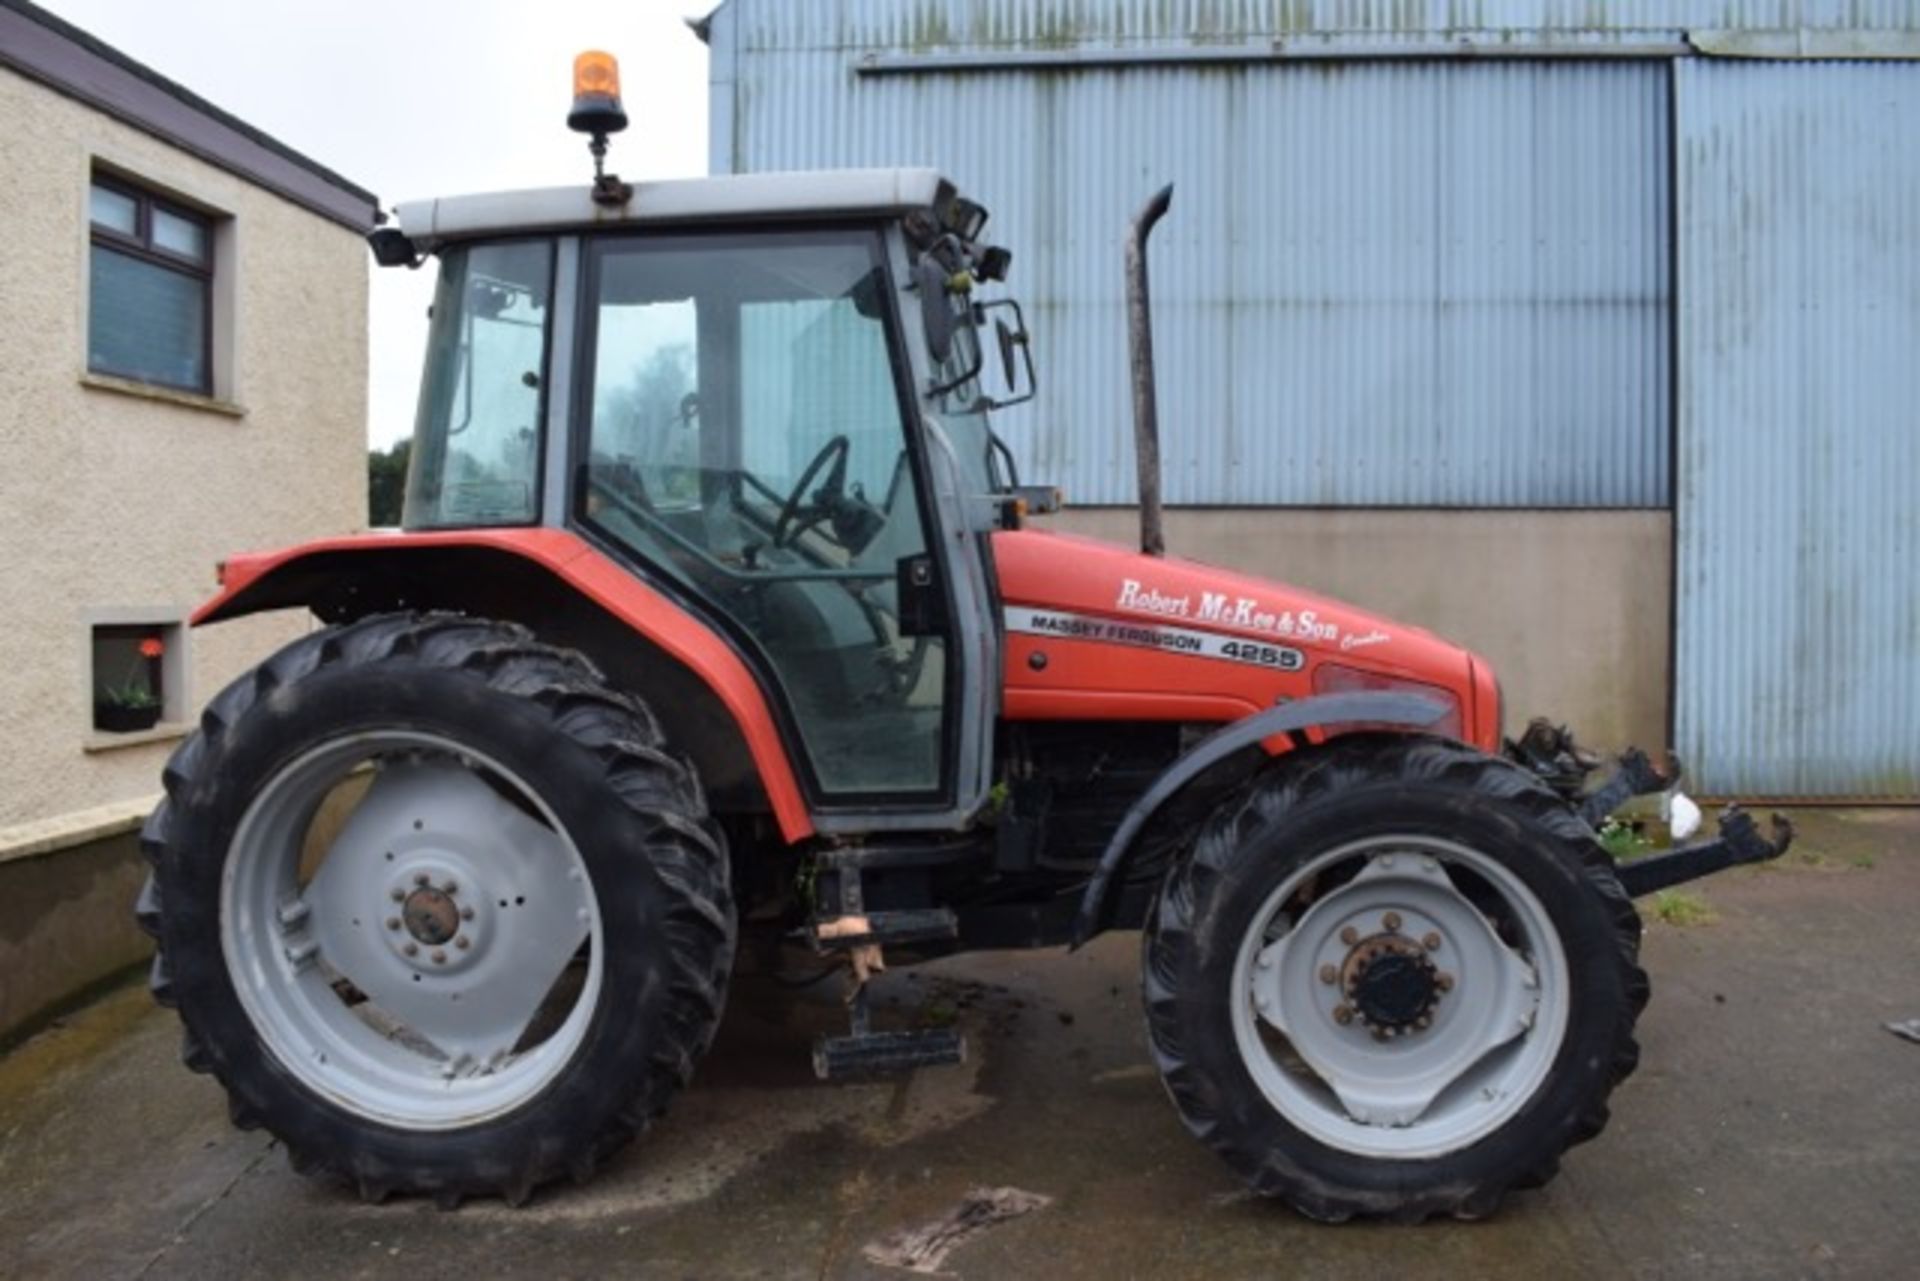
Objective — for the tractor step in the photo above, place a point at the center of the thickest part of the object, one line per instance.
(877, 1053)
(1739, 842)
(842, 923)
(883, 929)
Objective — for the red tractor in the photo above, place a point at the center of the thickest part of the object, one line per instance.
(716, 611)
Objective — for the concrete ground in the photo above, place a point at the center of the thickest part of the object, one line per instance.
(1773, 1130)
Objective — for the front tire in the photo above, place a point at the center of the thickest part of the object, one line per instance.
(437, 908)
(1395, 978)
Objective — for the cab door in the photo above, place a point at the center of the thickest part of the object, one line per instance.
(747, 434)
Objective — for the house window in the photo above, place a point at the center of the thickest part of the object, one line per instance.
(150, 300)
(139, 675)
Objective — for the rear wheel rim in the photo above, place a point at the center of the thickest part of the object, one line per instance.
(436, 962)
(1400, 997)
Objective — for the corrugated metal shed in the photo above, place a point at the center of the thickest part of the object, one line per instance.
(928, 25)
(1798, 589)
(1382, 283)
(1423, 252)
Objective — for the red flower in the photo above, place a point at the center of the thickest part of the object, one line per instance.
(151, 647)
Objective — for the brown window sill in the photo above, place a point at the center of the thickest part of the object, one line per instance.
(171, 395)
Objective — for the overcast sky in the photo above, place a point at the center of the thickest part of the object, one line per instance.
(413, 98)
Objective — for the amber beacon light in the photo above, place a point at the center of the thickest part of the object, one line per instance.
(596, 94)
(597, 112)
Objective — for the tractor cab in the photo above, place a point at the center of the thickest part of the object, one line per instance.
(768, 396)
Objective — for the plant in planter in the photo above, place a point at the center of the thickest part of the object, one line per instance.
(133, 704)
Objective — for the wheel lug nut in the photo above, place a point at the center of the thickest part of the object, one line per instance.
(1390, 922)
(439, 957)
(466, 914)
(1431, 942)
(398, 894)
(421, 879)
(393, 922)
(1328, 974)
(1343, 1014)
(463, 942)
(451, 887)
(411, 949)
(1444, 982)
(1379, 1034)
(1349, 936)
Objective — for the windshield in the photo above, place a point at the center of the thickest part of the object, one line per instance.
(476, 458)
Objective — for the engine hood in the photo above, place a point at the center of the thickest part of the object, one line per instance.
(1065, 588)
(1084, 575)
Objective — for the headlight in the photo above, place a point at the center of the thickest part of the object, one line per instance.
(1335, 678)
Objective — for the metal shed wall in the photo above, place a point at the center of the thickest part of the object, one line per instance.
(1796, 307)
(1382, 283)
(1798, 587)
(924, 25)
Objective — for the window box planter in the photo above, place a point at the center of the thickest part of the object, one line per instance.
(113, 718)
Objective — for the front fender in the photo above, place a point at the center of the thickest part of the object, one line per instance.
(341, 578)
(1412, 711)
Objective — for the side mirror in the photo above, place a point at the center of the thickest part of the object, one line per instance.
(1016, 354)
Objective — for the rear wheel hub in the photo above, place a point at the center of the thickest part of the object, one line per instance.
(439, 963)
(431, 916)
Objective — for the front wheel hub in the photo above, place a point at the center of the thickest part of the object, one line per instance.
(1413, 1019)
(1395, 987)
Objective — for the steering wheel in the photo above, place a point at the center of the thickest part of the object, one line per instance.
(795, 511)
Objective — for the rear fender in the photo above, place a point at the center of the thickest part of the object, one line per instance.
(1410, 712)
(567, 592)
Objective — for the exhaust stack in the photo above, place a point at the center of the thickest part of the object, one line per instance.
(1146, 419)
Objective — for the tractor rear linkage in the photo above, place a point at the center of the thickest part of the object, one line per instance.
(1549, 751)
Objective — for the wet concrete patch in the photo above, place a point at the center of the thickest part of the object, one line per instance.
(757, 1096)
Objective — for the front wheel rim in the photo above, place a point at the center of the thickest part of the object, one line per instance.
(439, 962)
(1400, 997)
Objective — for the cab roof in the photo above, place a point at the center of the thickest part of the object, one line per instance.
(732, 198)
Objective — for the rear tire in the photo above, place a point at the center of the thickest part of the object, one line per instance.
(1397, 1087)
(575, 772)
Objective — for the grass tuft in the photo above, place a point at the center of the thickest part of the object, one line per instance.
(1624, 841)
(1679, 908)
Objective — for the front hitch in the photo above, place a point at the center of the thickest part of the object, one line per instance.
(1739, 842)
(1550, 752)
